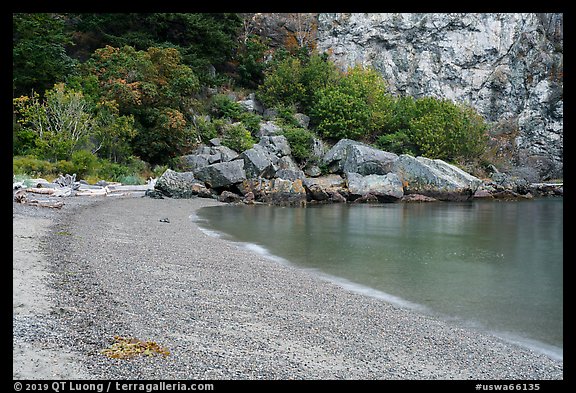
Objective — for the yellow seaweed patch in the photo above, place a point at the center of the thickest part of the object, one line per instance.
(129, 347)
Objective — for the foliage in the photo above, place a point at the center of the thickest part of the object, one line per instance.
(154, 87)
(356, 107)
(448, 131)
(39, 58)
(301, 142)
(436, 128)
(292, 80)
(113, 133)
(283, 84)
(237, 137)
(201, 38)
(339, 114)
(61, 122)
(251, 61)
(224, 106)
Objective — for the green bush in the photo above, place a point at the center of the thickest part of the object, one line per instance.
(398, 142)
(83, 163)
(282, 84)
(301, 142)
(32, 166)
(237, 137)
(447, 130)
(293, 81)
(337, 114)
(224, 107)
(357, 107)
(251, 121)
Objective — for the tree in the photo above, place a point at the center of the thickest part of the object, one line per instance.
(61, 122)
(39, 58)
(155, 88)
(201, 38)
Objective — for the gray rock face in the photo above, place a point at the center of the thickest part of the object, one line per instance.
(206, 155)
(508, 66)
(180, 185)
(435, 178)
(222, 174)
(276, 144)
(258, 162)
(384, 187)
(351, 156)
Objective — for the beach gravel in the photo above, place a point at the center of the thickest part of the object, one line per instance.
(114, 266)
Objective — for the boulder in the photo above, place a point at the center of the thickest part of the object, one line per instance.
(276, 144)
(222, 174)
(286, 192)
(385, 188)
(268, 128)
(352, 156)
(259, 162)
(229, 197)
(274, 191)
(435, 178)
(180, 185)
(329, 188)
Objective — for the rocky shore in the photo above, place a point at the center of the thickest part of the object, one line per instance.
(351, 172)
(100, 267)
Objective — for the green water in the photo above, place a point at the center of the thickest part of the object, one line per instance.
(491, 265)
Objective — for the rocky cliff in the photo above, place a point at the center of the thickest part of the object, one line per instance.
(508, 66)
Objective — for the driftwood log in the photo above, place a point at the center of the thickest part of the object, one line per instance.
(21, 197)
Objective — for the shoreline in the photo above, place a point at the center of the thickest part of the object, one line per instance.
(223, 311)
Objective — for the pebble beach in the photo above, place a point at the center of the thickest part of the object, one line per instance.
(133, 266)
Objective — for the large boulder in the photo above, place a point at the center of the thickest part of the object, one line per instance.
(352, 156)
(277, 145)
(180, 185)
(274, 191)
(329, 188)
(259, 162)
(435, 178)
(385, 188)
(222, 174)
(286, 192)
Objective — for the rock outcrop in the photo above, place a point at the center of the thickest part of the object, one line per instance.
(508, 66)
(435, 178)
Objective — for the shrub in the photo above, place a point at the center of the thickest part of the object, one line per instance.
(32, 166)
(223, 106)
(83, 163)
(338, 114)
(282, 84)
(357, 107)
(398, 142)
(237, 137)
(447, 131)
(301, 142)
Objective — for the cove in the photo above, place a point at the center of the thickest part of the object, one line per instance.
(496, 266)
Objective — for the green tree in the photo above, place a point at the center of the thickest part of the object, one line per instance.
(151, 86)
(201, 38)
(62, 122)
(39, 58)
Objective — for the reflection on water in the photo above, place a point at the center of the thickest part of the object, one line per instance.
(495, 265)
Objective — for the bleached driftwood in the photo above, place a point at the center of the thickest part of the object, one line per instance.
(102, 191)
(21, 197)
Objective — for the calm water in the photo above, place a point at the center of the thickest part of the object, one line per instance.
(490, 265)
